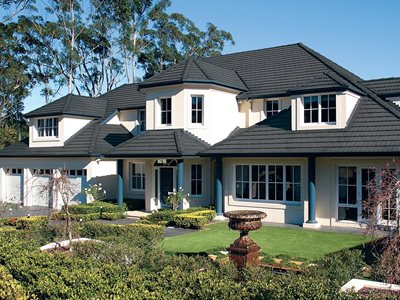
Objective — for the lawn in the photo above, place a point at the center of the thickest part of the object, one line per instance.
(292, 242)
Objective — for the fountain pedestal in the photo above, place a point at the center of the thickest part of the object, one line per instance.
(244, 251)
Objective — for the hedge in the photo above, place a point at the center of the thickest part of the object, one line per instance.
(190, 221)
(78, 217)
(93, 211)
(112, 215)
(32, 223)
(9, 287)
(169, 217)
(144, 233)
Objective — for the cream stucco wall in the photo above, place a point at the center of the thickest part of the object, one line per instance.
(277, 211)
(67, 126)
(220, 108)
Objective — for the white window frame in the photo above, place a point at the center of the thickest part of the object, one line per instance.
(160, 100)
(46, 128)
(284, 183)
(196, 109)
(141, 175)
(303, 110)
(141, 121)
(274, 112)
(197, 179)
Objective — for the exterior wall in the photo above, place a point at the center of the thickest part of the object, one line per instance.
(326, 186)
(345, 104)
(67, 126)
(104, 172)
(219, 107)
(277, 211)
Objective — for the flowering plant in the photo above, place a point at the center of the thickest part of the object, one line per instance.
(175, 198)
(96, 192)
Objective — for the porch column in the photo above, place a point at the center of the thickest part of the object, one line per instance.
(218, 186)
(311, 190)
(120, 182)
(179, 171)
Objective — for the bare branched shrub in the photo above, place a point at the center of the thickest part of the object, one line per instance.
(383, 219)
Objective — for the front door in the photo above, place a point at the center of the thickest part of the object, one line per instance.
(166, 183)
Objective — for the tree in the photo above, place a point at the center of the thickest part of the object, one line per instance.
(382, 210)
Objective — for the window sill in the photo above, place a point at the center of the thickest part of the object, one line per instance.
(270, 203)
(46, 139)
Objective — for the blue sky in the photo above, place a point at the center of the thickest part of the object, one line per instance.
(360, 35)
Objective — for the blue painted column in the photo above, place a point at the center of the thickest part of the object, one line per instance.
(218, 186)
(179, 171)
(311, 190)
(120, 182)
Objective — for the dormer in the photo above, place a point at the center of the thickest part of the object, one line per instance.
(330, 110)
(54, 123)
(132, 119)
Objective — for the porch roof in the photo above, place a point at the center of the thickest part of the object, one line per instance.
(160, 143)
(372, 130)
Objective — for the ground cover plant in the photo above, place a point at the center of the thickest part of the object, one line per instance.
(292, 242)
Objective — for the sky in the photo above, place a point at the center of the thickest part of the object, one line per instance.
(361, 35)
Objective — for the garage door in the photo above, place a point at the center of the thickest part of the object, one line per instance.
(77, 179)
(14, 185)
(40, 193)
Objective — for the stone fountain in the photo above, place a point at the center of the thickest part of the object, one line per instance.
(244, 252)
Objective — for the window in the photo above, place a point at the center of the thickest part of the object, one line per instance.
(320, 109)
(137, 176)
(142, 120)
(197, 109)
(261, 182)
(272, 107)
(47, 127)
(165, 104)
(347, 206)
(367, 176)
(390, 208)
(196, 180)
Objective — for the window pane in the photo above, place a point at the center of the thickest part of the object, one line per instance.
(245, 173)
(342, 175)
(352, 195)
(199, 103)
(297, 192)
(279, 173)
(271, 173)
(254, 190)
(289, 174)
(262, 191)
(279, 191)
(254, 173)
(289, 192)
(239, 187)
(314, 116)
(199, 117)
(347, 213)
(271, 191)
(194, 114)
(332, 115)
(324, 115)
(352, 175)
(307, 102)
(246, 190)
(307, 116)
(314, 101)
(261, 173)
(238, 173)
(332, 100)
(297, 174)
(169, 117)
(163, 118)
(194, 103)
(343, 194)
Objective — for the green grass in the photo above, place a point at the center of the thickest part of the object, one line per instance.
(293, 242)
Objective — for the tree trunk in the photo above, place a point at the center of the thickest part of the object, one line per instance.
(72, 45)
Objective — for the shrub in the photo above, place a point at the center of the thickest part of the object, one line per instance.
(83, 217)
(9, 287)
(112, 215)
(167, 216)
(32, 223)
(142, 233)
(209, 214)
(190, 221)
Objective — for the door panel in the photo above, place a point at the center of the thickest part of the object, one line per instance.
(40, 192)
(166, 182)
(14, 186)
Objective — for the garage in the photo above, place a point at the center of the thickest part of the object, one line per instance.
(14, 185)
(40, 192)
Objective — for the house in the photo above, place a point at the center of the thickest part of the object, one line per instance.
(283, 130)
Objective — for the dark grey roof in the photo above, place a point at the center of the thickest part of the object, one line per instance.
(270, 72)
(384, 87)
(372, 130)
(160, 143)
(194, 70)
(92, 140)
(71, 105)
(126, 96)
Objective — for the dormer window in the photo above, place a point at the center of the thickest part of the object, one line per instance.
(320, 109)
(272, 107)
(166, 112)
(47, 127)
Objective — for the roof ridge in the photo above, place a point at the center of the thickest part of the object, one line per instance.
(189, 62)
(195, 137)
(381, 79)
(333, 66)
(93, 141)
(179, 147)
(201, 69)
